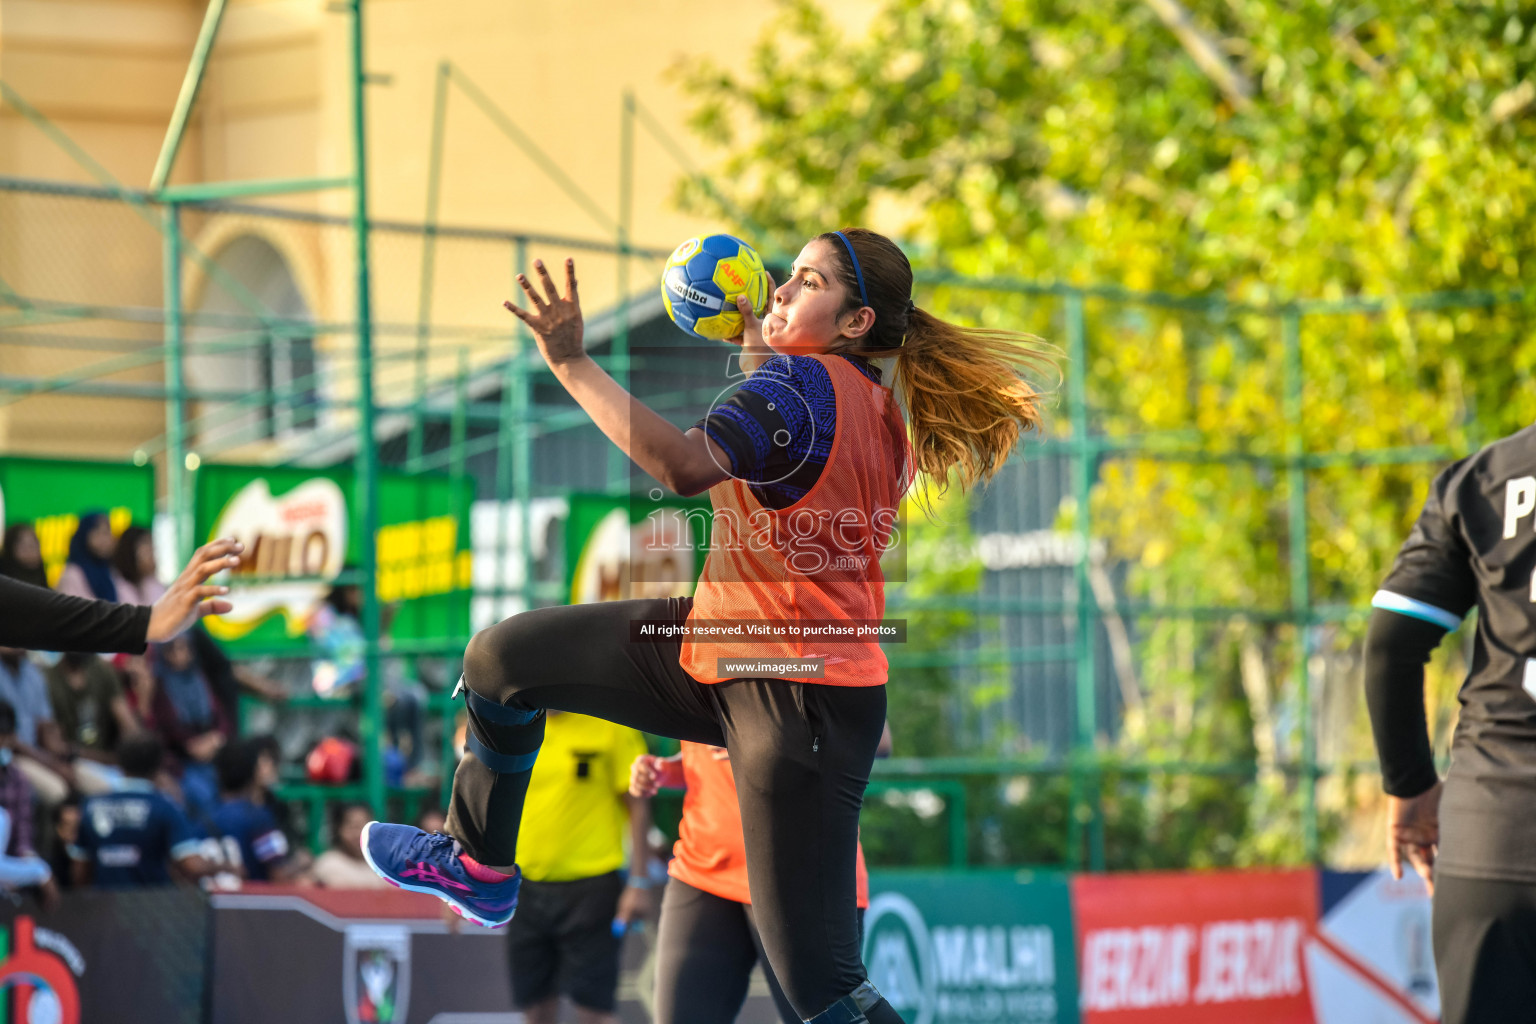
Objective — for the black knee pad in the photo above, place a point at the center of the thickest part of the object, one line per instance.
(500, 734)
(849, 1009)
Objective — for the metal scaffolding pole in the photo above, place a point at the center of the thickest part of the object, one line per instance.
(367, 454)
(1300, 566)
(190, 84)
(1086, 780)
(429, 255)
(618, 462)
(176, 387)
(522, 442)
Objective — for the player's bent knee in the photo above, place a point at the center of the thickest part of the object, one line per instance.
(492, 655)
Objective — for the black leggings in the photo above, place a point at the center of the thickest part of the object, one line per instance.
(801, 755)
(705, 948)
(1485, 949)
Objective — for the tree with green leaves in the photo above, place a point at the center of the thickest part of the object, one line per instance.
(1246, 156)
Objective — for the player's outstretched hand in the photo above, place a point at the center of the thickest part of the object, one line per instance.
(191, 596)
(1413, 834)
(555, 319)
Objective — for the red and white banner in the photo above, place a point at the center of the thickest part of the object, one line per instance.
(1193, 948)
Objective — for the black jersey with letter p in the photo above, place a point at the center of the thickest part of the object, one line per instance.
(1474, 545)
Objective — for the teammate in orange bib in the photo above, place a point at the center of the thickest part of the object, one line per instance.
(801, 519)
(707, 941)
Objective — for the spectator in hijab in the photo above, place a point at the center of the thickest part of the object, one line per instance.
(136, 576)
(88, 573)
(21, 555)
(174, 700)
(133, 567)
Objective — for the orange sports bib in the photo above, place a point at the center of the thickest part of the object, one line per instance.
(818, 559)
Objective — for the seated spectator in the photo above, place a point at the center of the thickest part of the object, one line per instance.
(19, 863)
(89, 706)
(336, 627)
(88, 572)
(21, 555)
(41, 753)
(134, 569)
(343, 866)
(135, 574)
(432, 820)
(247, 772)
(228, 677)
(131, 837)
(174, 701)
(65, 847)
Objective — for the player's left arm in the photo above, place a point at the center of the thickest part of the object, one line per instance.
(687, 463)
(1429, 590)
(635, 902)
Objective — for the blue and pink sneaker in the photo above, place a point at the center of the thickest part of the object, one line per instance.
(433, 863)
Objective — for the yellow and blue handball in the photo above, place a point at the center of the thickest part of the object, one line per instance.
(702, 278)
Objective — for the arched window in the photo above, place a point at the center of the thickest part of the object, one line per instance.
(263, 365)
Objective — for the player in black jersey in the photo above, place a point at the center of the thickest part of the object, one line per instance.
(1474, 545)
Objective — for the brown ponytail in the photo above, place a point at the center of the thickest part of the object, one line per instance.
(964, 389)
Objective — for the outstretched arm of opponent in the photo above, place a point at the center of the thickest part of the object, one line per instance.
(686, 462)
(38, 619)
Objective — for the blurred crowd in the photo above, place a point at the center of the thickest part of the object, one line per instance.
(127, 771)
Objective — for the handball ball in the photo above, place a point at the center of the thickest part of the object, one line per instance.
(702, 278)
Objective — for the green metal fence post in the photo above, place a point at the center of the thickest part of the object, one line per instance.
(618, 463)
(1085, 773)
(458, 436)
(522, 442)
(176, 386)
(191, 83)
(429, 257)
(1300, 566)
(367, 454)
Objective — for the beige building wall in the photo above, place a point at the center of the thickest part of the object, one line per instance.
(275, 104)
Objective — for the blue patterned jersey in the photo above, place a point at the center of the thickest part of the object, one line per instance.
(131, 835)
(777, 427)
(254, 829)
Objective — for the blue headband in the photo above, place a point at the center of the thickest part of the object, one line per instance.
(863, 295)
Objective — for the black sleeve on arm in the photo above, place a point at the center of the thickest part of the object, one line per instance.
(1396, 650)
(46, 620)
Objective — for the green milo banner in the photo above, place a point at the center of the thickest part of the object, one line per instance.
(974, 948)
(303, 527)
(624, 547)
(52, 495)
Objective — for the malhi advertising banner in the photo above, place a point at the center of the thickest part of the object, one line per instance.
(977, 948)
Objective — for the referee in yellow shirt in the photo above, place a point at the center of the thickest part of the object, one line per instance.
(571, 849)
